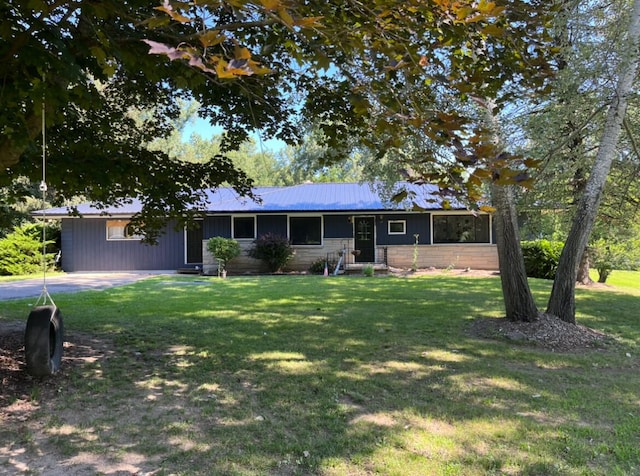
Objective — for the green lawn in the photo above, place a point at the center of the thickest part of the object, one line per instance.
(334, 376)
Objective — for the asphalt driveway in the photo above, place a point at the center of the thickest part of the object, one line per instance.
(71, 282)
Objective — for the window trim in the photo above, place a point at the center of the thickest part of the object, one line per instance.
(396, 222)
(120, 237)
(233, 227)
(320, 216)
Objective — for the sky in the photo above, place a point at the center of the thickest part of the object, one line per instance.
(202, 127)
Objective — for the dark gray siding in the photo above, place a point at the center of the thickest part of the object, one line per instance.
(85, 248)
(415, 224)
(276, 224)
(217, 226)
(337, 226)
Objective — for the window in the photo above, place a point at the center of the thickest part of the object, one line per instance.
(120, 230)
(305, 230)
(460, 229)
(397, 227)
(244, 227)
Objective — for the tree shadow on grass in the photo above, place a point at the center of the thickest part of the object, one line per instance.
(321, 377)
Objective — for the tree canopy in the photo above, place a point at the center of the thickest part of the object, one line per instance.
(378, 71)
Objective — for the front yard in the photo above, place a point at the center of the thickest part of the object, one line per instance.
(332, 376)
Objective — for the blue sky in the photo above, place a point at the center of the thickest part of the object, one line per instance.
(202, 127)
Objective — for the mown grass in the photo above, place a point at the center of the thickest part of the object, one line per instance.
(348, 375)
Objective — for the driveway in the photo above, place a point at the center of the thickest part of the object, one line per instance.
(71, 282)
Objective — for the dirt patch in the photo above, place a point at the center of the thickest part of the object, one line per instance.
(16, 399)
(547, 332)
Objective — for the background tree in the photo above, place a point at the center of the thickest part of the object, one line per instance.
(563, 132)
(562, 299)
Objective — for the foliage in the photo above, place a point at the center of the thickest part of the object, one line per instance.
(368, 270)
(541, 258)
(223, 249)
(318, 266)
(274, 250)
(605, 256)
(383, 72)
(21, 251)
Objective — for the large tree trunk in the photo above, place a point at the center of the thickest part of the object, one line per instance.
(518, 300)
(562, 301)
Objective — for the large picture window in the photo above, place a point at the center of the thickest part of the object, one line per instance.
(244, 227)
(305, 230)
(120, 230)
(460, 229)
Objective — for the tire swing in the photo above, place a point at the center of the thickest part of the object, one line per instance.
(44, 334)
(44, 340)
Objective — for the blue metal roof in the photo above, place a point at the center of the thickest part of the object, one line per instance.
(308, 197)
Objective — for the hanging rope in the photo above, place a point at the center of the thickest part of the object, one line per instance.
(44, 295)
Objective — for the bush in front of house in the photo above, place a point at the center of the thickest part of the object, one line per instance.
(541, 258)
(317, 267)
(21, 251)
(223, 250)
(274, 250)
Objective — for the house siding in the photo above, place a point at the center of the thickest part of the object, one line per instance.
(85, 248)
(276, 224)
(217, 226)
(416, 224)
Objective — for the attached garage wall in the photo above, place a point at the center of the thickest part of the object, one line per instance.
(85, 248)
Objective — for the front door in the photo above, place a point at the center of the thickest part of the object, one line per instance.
(193, 243)
(365, 239)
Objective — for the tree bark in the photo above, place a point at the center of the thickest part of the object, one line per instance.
(583, 269)
(562, 301)
(518, 300)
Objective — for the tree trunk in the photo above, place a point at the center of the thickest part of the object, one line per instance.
(562, 301)
(583, 269)
(518, 300)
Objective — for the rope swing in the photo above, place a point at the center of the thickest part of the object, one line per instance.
(44, 334)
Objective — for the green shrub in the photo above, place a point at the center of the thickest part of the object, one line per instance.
(368, 270)
(21, 251)
(274, 250)
(541, 258)
(223, 249)
(317, 267)
(605, 256)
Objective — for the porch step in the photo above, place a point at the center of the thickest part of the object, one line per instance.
(189, 270)
(353, 268)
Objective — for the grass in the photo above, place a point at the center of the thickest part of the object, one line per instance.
(348, 375)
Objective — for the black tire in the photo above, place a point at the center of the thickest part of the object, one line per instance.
(43, 341)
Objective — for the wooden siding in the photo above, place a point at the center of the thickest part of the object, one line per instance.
(276, 224)
(419, 224)
(85, 248)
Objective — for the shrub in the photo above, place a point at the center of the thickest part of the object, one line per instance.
(606, 256)
(317, 267)
(274, 250)
(368, 270)
(541, 258)
(223, 249)
(21, 251)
